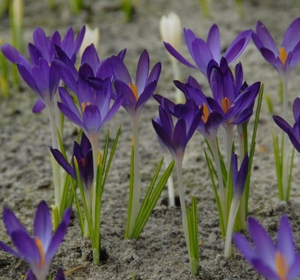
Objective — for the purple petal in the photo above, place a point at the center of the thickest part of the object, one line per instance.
(213, 41)
(78, 42)
(155, 73)
(60, 275)
(63, 162)
(114, 108)
(265, 270)
(144, 97)
(120, 70)
(285, 240)
(178, 56)
(163, 135)
(263, 243)
(26, 246)
(245, 247)
(265, 39)
(92, 120)
(58, 235)
(90, 57)
(294, 270)
(179, 138)
(38, 106)
(42, 43)
(27, 77)
(11, 222)
(43, 225)
(202, 55)
(291, 37)
(9, 250)
(296, 109)
(282, 123)
(237, 46)
(142, 72)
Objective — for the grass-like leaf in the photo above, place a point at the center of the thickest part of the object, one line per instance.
(151, 198)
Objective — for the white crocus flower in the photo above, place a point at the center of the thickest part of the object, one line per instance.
(92, 36)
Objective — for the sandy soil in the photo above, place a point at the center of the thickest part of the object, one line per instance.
(160, 253)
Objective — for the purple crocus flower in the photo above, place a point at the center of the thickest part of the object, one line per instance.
(234, 100)
(176, 137)
(59, 276)
(292, 132)
(239, 177)
(285, 58)
(39, 250)
(94, 104)
(275, 262)
(91, 66)
(211, 119)
(136, 93)
(38, 73)
(203, 52)
(84, 156)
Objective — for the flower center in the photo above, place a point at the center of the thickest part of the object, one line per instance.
(134, 90)
(41, 250)
(225, 104)
(281, 266)
(83, 161)
(83, 106)
(282, 55)
(205, 113)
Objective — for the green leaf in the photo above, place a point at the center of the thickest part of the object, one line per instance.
(151, 198)
(219, 208)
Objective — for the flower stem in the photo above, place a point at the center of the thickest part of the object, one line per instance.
(232, 214)
(221, 190)
(182, 203)
(285, 147)
(170, 183)
(136, 178)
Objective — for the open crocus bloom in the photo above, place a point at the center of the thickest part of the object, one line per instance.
(287, 56)
(38, 73)
(275, 262)
(39, 250)
(203, 52)
(136, 93)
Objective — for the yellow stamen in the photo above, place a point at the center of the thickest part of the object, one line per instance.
(41, 250)
(225, 104)
(134, 90)
(281, 265)
(205, 113)
(282, 55)
(83, 106)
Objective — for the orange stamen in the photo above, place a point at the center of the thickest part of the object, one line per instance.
(205, 113)
(83, 106)
(83, 161)
(225, 104)
(282, 55)
(134, 90)
(41, 250)
(281, 265)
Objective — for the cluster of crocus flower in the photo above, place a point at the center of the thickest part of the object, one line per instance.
(41, 76)
(93, 94)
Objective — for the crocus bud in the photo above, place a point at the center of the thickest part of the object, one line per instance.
(170, 30)
(92, 36)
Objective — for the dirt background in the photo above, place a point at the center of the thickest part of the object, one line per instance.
(160, 253)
